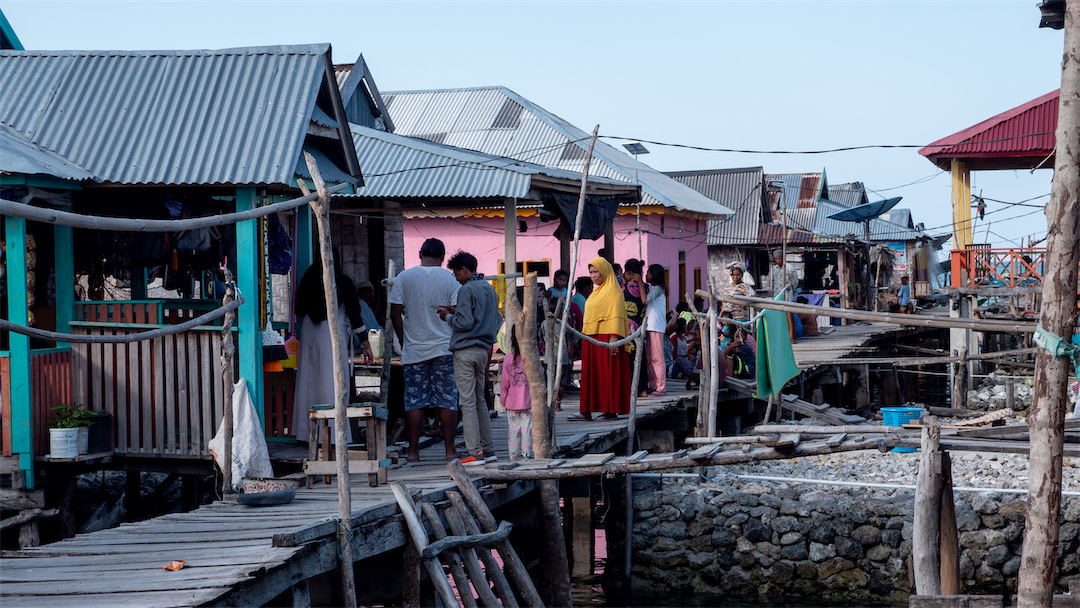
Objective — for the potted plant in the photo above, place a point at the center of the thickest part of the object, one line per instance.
(64, 430)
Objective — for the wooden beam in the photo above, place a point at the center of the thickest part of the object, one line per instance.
(14, 499)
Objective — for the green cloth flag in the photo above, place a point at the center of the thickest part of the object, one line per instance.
(775, 361)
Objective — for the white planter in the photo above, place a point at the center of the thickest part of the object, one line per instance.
(84, 439)
(63, 443)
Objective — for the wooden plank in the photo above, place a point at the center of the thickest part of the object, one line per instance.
(835, 440)
(120, 373)
(591, 460)
(190, 597)
(206, 403)
(157, 354)
(636, 456)
(202, 556)
(135, 396)
(146, 396)
(705, 451)
(329, 467)
(170, 387)
(93, 586)
(955, 601)
(183, 399)
(788, 441)
(218, 383)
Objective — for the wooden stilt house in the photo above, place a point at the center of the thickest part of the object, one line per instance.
(151, 135)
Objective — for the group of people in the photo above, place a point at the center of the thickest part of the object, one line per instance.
(448, 323)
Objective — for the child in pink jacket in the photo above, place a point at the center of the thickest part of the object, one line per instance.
(514, 395)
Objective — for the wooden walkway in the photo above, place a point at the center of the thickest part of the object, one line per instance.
(240, 555)
(843, 341)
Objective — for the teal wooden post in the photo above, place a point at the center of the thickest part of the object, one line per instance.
(22, 442)
(303, 240)
(247, 279)
(64, 267)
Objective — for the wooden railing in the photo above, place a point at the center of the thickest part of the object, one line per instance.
(1020, 267)
(165, 395)
(278, 391)
(163, 311)
(50, 384)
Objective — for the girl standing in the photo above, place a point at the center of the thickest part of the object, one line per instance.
(514, 395)
(655, 307)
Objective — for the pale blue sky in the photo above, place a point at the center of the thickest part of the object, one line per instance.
(753, 75)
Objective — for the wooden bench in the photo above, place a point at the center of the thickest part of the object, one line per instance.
(371, 460)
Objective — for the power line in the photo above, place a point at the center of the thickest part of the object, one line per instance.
(824, 151)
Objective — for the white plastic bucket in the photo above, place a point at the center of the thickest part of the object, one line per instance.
(375, 340)
(64, 443)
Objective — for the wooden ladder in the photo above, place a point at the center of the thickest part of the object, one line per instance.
(475, 534)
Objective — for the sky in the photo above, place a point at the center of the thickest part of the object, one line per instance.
(753, 75)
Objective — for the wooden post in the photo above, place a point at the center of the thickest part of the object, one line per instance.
(410, 578)
(960, 381)
(714, 364)
(949, 544)
(64, 282)
(565, 236)
(924, 545)
(510, 251)
(228, 488)
(320, 208)
(1050, 398)
(581, 534)
(1010, 393)
(247, 279)
(22, 439)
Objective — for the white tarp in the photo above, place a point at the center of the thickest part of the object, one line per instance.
(250, 456)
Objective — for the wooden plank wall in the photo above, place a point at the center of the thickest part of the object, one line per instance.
(165, 395)
(5, 405)
(50, 384)
(279, 388)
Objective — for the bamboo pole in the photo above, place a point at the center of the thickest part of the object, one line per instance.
(1050, 399)
(419, 541)
(703, 353)
(714, 362)
(320, 208)
(888, 317)
(927, 522)
(960, 380)
(227, 484)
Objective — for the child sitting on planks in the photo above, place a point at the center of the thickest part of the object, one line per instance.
(515, 397)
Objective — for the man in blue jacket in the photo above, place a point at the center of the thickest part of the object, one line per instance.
(475, 322)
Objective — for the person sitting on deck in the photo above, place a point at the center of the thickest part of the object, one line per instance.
(808, 320)
(739, 350)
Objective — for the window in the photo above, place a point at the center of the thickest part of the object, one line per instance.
(542, 268)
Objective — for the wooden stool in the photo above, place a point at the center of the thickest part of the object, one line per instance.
(371, 460)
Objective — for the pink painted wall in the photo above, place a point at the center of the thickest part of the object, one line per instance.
(662, 240)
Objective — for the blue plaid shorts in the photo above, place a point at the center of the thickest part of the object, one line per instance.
(431, 384)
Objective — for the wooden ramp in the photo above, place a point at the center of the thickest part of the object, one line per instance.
(241, 555)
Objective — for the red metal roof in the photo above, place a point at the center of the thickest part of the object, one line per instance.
(1019, 138)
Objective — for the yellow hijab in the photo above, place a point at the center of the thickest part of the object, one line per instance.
(605, 309)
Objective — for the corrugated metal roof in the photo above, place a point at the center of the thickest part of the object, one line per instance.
(20, 155)
(1026, 131)
(880, 230)
(848, 195)
(738, 189)
(400, 167)
(232, 116)
(480, 119)
(355, 81)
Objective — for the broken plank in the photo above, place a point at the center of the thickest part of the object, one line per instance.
(636, 456)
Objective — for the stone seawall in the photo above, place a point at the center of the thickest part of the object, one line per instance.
(779, 541)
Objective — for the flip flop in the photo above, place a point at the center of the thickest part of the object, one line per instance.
(608, 417)
(578, 418)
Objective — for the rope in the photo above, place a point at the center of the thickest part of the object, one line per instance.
(159, 332)
(633, 336)
(94, 222)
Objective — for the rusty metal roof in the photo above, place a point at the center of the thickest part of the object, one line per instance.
(1020, 138)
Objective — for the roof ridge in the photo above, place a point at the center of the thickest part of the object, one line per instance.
(284, 49)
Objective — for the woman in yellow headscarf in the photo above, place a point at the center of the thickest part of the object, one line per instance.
(605, 372)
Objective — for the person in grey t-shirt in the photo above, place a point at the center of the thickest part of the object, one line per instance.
(415, 299)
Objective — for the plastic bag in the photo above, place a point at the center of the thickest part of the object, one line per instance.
(250, 456)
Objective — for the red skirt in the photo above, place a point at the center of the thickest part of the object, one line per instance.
(605, 379)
